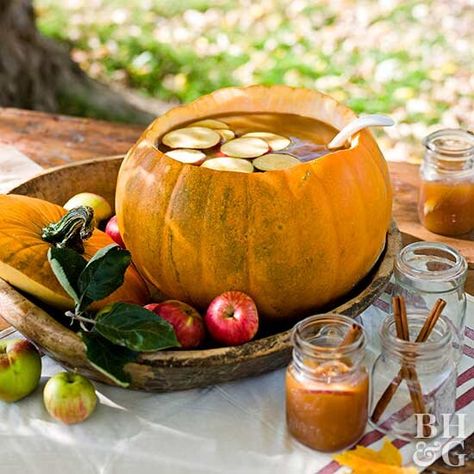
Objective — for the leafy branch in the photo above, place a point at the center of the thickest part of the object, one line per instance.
(118, 332)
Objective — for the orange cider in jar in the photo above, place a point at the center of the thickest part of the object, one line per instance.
(327, 384)
(327, 416)
(447, 208)
(446, 199)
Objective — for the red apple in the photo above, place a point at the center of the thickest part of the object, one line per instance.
(232, 318)
(186, 321)
(112, 230)
(20, 369)
(69, 397)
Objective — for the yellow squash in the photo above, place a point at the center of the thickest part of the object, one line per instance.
(23, 253)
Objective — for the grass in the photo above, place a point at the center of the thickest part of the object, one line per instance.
(411, 58)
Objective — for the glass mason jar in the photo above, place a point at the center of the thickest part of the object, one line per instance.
(426, 271)
(327, 385)
(432, 370)
(446, 199)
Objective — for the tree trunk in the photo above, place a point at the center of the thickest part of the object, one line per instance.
(38, 73)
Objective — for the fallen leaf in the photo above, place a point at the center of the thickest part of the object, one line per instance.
(367, 461)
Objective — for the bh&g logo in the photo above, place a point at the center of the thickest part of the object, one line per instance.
(426, 454)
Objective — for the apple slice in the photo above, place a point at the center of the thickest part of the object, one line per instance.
(226, 135)
(188, 156)
(191, 137)
(275, 161)
(210, 123)
(331, 369)
(276, 142)
(245, 147)
(229, 164)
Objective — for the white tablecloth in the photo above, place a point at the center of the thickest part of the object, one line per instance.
(237, 427)
(15, 167)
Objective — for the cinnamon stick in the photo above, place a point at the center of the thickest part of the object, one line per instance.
(396, 308)
(410, 375)
(350, 336)
(423, 336)
(405, 335)
(431, 320)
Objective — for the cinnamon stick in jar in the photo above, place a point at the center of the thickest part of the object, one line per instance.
(408, 373)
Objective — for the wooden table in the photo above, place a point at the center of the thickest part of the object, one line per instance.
(52, 140)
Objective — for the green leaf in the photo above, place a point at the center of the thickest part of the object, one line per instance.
(104, 273)
(108, 358)
(67, 265)
(132, 326)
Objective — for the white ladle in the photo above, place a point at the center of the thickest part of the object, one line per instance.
(374, 120)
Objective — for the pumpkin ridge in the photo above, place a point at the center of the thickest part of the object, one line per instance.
(248, 238)
(202, 233)
(367, 143)
(382, 171)
(46, 293)
(385, 189)
(333, 217)
(359, 183)
(168, 232)
(44, 270)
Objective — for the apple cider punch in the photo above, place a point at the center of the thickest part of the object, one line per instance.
(446, 199)
(248, 142)
(327, 384)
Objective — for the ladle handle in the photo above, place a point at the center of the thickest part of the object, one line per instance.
(374, 120)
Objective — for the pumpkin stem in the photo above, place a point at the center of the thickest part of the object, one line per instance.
(71, 230)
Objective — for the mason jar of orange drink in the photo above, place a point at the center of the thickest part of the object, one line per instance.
(327, 384)
(446, 200)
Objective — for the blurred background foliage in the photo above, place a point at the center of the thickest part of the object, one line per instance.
(411, 59)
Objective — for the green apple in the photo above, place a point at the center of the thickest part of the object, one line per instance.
(69, 397)
(20, 369)
(102, 209)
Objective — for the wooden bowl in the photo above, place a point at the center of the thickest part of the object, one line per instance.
(166, 370)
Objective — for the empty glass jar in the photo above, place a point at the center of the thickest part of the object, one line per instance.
(426, 271)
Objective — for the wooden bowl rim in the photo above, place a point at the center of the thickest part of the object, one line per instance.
(55, 169)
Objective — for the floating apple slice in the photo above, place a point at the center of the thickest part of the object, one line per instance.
(191, 137)
(276, 142)
(226, 134)
(210, 123)
(331, 369)
(275, 161)
(229, 164)
(430, 206)
(245, 147)
(184, 155)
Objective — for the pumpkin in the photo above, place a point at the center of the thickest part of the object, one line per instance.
(24, 254)
(295, 240)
